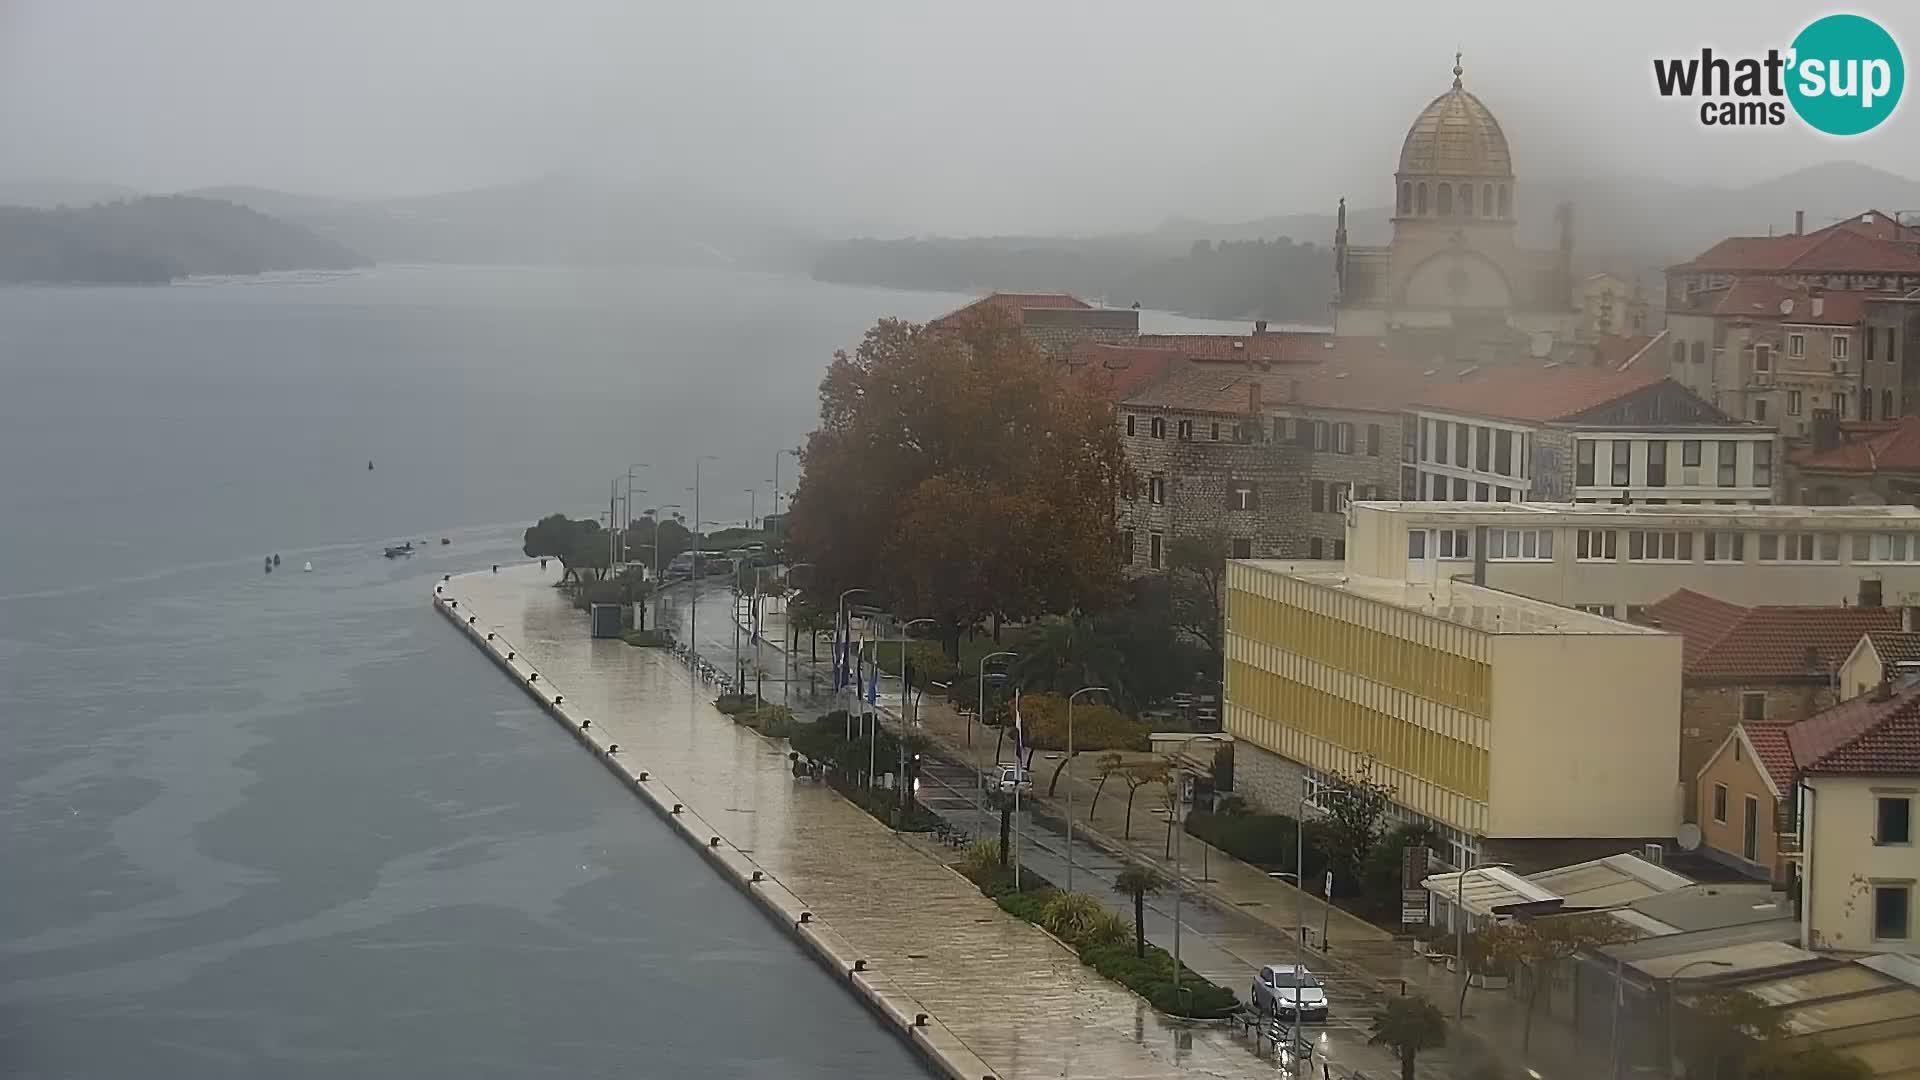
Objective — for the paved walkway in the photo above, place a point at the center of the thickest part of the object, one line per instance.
(1011, 994)
(1363, 960)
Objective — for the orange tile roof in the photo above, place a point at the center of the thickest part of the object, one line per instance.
(1877, 224)
(1727, 641)
(1117, 372)
(1762, 298)
(1826, 251)
(1775, 753)
(1537, 394)
(1012, 305)
(1896, 647)
(1861, 735)
(1894, 450)
(1617, 352)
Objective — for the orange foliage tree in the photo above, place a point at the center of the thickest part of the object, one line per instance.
(957, 475)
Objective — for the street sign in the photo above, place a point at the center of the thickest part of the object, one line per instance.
(1327, 890)
(1413, 866)
(1413, 906)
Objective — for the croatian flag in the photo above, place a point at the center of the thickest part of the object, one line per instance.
(839, 658)
(873, 683)
(1019, 734)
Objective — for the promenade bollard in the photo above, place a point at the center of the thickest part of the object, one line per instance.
(585, 724)
(643, 774)
(613, 748)
(713, 842)
(532, 678)
(557, 698)
(806, 916)
(859, 965)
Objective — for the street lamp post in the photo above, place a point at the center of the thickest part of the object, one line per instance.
(1673, 1005)
(1069, 764)
(753, 509)
(1179, 889)
(980, 716)
(693, 611)
(839, 627)
(658, 585)
(906, 709)
(776, 476)
(630, 491)
(791, 643)
(1460, 934)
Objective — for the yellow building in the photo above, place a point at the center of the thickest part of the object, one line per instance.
(1492, 716)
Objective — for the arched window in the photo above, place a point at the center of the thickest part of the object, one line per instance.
(1506, 202)
(1406, 197)
(1446, 200)
(1420, 198)
(1486, 200)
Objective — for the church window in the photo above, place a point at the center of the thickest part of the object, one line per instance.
(1420, 198)
(1486, 200)
(1506, 202)
(1406, 197)
(1445, 200)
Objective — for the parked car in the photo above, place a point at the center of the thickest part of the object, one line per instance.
(1006, 778)
(1280, 989)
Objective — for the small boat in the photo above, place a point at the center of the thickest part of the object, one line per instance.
(307, 569)
(369, 466)
(269, 564)
(444, 541)
(276, 560)
(403, 549)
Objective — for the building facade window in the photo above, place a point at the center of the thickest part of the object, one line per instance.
(1690, 453)
(1242, 495)
(1420, 198)
(1720, 803)
(1157, 490)
(1886, 406)
(1699, 352)
(1750, 828)
(1157, 427)
(1760, 410)
(1645, 545)
(1242, 548)
(1596, 545)
(1455, 543)
(1622, 463)
(1726, 456)
(1799, 547)
(1503, 453)
(1462, 436)
(1753, 705)
(1763, 358)
(1373, 440)
(1583, 467)
(1213, 430)
(1406, 198)
(1763, 464)
(1886, 547)
(1483, 449)
(1796, 345)
(1445, 205)
(1657, 464)
(1153, 551)
(1339, 549)
(1442, 439)
(1459, 489)
(1793, 403)
(1317, 496)
(1343, 438)
(1126, 546)
(1511, 544)
(1316, 548)
(1839, 346)
(1185, 431)
(1321, 437)
(1679, 353)
(1894, 820)
(1129, 423)
(1892, 911)
(1409, 483)
(1724, 547)
(1338, 495)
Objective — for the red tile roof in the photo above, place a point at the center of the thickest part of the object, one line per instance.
(1761, 298)
(1862, 735)
(1727, 641)
(1356, 375)
(1877, 224)
(1537, 394)
(1617, 352)
(1775, 753)
(1826, 251)
(1117, 372)
(1897, 647)
(1895, 450)
(1274, 347)
(1012, 305)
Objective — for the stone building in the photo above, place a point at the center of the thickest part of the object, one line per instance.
(1758, 664)
(1053, 321)
(1890, 358)
(1453, 266)
(1858, 464)
(1771, 353)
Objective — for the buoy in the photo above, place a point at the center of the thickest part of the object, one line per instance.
(369, 466)
(269, 564)
(307, 569)
(444, 541)
(276, 560)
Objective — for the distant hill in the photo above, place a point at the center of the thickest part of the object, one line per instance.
(45, 194)
(1628, 225)
(154, 240)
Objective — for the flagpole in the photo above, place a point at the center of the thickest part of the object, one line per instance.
(1019, 773)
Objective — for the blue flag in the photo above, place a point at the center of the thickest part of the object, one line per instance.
(873, 684)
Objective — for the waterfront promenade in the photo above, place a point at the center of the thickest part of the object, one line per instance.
(998, 992)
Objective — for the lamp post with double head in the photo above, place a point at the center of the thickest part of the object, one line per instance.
(791, 642)
(906, 715)
(841, 628)
(693, 612)
(981, 716)
(1179, 885)
(1071, 698)
(630, 490)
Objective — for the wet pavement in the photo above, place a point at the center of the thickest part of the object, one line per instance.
(1012, 994)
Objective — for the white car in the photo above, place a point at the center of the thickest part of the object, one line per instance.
(1006, 778)
(1286, 989)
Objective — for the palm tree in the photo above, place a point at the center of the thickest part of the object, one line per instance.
(1407, 1026)
(1138, 882)
(1071, 652)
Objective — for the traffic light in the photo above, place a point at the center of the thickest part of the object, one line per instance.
(913, 773)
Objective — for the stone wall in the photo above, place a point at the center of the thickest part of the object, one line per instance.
(1709, 713)
(1270, 783)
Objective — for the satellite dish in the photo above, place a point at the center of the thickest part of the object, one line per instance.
(1688, 837)
(1786, 306)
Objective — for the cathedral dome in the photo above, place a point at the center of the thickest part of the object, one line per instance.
(1456, 135)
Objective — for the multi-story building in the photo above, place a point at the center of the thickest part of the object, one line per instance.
(1870, 251)
(1890, 358)
(1857, 768)
(1743, 798)
(1770, 352)
(1495, 718)
(1583, 436)
(1756, 664)
(1860, 463)
(1618, 560)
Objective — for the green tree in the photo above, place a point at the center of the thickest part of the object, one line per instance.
(578, 544)
(1139, 774)
(1380, 874)
(1139, 882)
(1095, 727)
(1067, 653)
(1354, 804)
(1197, 585)
(1408, 1026)
(959, 477)
(1105, 768)
(1723, 1030)
(1539, 947)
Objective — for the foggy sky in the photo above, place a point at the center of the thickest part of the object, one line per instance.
(958, 117)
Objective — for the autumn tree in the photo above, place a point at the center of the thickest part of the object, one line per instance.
(1538, 947)
(1095, 727)
(956, 475)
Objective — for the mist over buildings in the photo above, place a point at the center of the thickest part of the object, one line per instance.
(871, 116)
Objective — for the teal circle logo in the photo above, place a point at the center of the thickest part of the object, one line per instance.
(1846, 75)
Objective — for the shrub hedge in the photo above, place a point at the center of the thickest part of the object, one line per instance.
(1262, 839)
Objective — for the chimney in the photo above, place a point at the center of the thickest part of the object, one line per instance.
(1819, 305)
(1906, 620)
(1799, 222)
(1259, 326)
(1810, 659)
(1253, 397)
(1869, 592)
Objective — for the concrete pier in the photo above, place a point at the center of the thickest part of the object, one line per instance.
(979, 993)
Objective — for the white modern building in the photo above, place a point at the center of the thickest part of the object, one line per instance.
(1614, 560)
